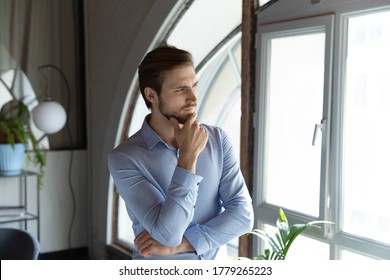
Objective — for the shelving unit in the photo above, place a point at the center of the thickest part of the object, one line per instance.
(27, 214)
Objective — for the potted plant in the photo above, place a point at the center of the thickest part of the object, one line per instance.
(15, 136)
(281, 242)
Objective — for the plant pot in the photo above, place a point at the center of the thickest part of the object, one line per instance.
(11, 159)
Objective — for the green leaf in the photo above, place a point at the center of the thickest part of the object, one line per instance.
(282, 216)
(281, 242)
(15, 128)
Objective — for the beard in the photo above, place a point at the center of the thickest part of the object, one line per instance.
(180, 117)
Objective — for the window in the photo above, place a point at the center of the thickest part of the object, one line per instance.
(365, 137)
(294, 105)
(322, 143)
(263, 2)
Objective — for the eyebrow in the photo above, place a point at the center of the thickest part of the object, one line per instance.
(183, 86)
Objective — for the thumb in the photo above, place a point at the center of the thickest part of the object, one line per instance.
(175, 125)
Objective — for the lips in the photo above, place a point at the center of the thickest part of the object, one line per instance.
(190, 108)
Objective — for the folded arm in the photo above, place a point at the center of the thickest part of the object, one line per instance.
(148, 246)
(158, 213)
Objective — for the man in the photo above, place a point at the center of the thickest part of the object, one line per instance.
(180, 180)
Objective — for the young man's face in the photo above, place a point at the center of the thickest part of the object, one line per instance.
(178, 93)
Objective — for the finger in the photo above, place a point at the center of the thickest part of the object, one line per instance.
(175, 125)
(191, 118)
(202, 130)
(145, 254)
(197, 124)
(145, 250)
(144, 246)
(141, 238)
(140, 235)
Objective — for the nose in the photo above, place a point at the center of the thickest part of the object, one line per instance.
(192, 94)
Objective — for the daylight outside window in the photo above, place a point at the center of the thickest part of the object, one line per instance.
(366, 135)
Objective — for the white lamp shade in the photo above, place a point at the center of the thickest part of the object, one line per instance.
(49, 116)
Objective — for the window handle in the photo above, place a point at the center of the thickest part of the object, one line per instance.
(318, 126)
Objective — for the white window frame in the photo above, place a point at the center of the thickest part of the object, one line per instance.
(331, 173)
(265, 212)
(342, 240)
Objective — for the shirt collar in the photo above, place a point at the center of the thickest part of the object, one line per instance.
(150, 136)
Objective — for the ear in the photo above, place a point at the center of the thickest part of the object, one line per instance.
(150, 94)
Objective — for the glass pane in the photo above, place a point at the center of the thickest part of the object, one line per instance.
(218, 94)
(140, 111)
(305, 248)
(5, 95)
(295, 93)
(125, 230)
(232, 124)
(237, 54)
(366, 128)
(202, 15)
(263, 2)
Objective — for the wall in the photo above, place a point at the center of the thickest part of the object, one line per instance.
(56, 203)
(118, 33)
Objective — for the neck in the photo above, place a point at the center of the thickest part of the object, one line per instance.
(163, 127)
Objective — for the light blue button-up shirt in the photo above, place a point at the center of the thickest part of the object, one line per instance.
(209, 208)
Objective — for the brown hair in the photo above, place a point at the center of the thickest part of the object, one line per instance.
(151, 71)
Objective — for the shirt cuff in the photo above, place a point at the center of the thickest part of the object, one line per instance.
(194, 235)
(183, 177)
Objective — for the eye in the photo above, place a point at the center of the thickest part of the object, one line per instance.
(179, 90)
